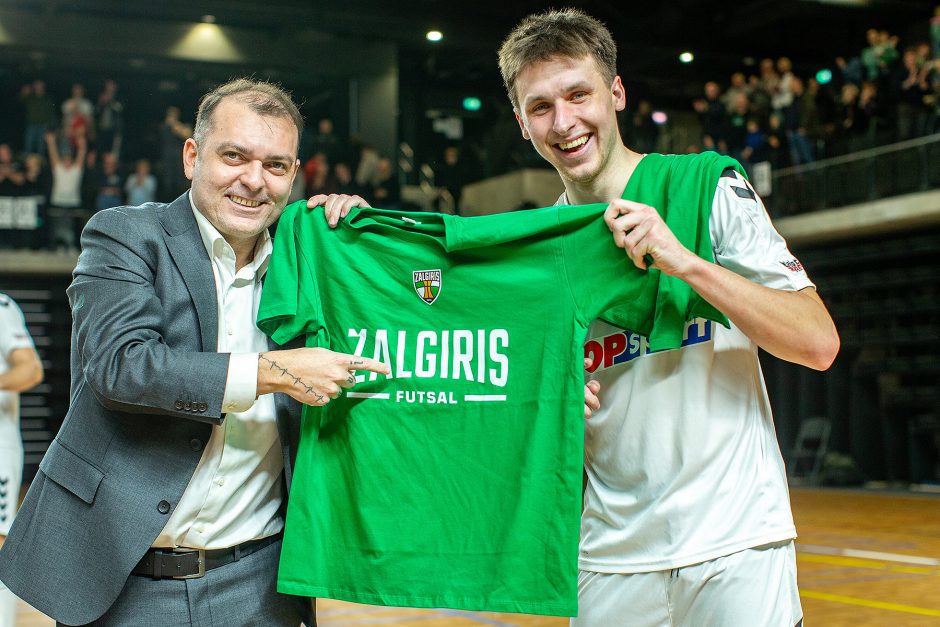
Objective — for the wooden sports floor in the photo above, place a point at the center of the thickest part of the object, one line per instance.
(864, 558)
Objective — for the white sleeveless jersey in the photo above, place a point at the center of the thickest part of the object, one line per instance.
(13, 335)
(682, 458)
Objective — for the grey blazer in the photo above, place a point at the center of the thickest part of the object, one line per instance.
(147, 383)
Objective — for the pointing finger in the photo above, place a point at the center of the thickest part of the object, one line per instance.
(355, 362)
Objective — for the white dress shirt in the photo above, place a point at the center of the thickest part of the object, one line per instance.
(235, 494)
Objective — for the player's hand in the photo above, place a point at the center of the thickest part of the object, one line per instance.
(336, 206)
(591, 402)
(312, 376)
(640, 231)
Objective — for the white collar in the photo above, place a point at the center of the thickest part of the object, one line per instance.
(218, 248)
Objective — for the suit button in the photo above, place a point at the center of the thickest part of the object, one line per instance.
(178, 404)
(195, 444)
(163, 507)
(203, 407)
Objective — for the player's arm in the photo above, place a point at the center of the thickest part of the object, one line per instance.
(25, 370)
(793, 325)
(336, 206)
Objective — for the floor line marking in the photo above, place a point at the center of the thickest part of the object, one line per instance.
(855, 562)
(475, 617)
(881, 605)
(363, 609)
(874, 555)
(380, 620)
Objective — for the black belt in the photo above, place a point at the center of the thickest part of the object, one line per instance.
(185, 563)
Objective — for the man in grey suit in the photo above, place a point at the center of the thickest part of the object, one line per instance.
(161, 499)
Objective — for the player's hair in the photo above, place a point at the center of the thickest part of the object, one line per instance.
(556, 33)
(266, 99)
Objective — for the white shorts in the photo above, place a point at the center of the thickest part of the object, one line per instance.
(752, 587)
(11, 477)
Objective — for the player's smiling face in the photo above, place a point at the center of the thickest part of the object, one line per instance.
(569, 112)
(242, 171)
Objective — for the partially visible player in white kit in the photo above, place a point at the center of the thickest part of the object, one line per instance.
(20, 369)
(687, 516)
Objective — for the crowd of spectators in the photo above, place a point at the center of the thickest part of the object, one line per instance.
(71, 151)
(886, 93)
(335, 165)
(71, 165)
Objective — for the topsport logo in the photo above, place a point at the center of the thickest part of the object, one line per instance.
(427, 284)
(623, 346)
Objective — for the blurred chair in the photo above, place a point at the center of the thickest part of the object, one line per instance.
(812, 443)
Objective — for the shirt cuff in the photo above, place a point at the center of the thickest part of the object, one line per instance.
(241, 385)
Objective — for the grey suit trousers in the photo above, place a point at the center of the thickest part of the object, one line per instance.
(229, 596)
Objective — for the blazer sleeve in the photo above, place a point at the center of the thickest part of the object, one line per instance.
(126, 297)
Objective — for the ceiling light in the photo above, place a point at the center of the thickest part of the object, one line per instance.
(472, 103)
(686, 57)
(434, 35)
(824, 76)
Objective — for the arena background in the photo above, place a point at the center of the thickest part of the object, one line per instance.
(862, 212)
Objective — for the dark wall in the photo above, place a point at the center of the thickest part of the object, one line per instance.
(883, 391)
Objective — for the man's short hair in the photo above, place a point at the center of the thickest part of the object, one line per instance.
(556, 33)
(266, 99)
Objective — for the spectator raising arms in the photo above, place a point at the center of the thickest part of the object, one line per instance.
(66, 196)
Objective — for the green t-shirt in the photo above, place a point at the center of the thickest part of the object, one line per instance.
(455, 482)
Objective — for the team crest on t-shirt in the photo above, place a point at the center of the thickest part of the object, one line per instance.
(427, 284)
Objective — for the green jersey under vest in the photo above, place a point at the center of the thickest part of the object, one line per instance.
(455, 481)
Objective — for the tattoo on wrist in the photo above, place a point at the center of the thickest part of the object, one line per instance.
(297, 380)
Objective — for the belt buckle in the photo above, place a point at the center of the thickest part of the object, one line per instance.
(200, 563)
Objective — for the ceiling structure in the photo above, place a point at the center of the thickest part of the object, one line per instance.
(367, 62)
(319, 38)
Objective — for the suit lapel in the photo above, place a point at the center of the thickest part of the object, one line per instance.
(189, 253)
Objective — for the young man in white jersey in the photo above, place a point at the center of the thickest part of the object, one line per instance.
(20, 370)
(687, 518)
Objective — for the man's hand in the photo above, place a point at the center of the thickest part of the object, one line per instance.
(640, 231)
(591, 402)
(336, 206)
(312, 376)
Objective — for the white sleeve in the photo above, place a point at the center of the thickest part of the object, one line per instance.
(241, 383)
(13, 333)
(745, 241)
